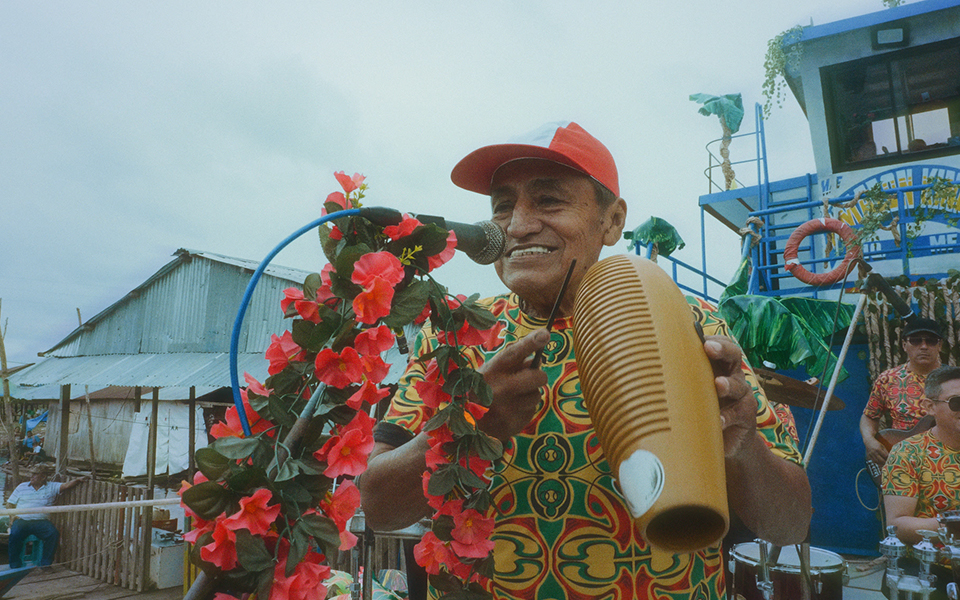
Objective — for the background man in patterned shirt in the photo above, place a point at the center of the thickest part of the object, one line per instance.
(562, 528)
(898, 391)
(921, 474)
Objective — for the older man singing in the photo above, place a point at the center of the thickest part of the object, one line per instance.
(562, 527)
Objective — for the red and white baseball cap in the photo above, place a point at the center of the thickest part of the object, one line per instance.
(566, 143)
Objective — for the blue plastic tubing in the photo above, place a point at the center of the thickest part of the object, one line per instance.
(238, 323)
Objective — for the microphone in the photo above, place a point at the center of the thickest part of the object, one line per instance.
(880, 284)
(483, 242)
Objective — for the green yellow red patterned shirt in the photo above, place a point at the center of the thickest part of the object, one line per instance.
(563, 531)
(897, 391)
(922, 467)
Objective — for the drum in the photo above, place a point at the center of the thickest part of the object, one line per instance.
(826, 574)
(949, 526)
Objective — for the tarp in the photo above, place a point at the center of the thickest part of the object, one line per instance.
(31, 423)
(173, 439)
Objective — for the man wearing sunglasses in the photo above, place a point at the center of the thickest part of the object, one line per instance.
(921, 474)
(898, 392)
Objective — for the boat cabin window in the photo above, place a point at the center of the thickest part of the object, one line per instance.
(895, 106)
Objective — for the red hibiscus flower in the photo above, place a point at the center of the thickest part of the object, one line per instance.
(231, 426)
(374, 302)
(281, 351)
(346, 453)
(222, 551)
(377, 265)
(374, 341)
(446, 254)
(374, 368)
(432, 554)
(431, 393)
(198, 526)
(471, 533)
(339, 370)
(307, 309)
(369, 393)
(349, 183)
(403, 229)
(254, 515)
(334, 198)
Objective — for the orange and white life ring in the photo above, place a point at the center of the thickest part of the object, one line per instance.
(792, 264)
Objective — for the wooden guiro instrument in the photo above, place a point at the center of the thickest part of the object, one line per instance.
(650, 393)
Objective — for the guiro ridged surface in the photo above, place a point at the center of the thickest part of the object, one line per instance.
(649, 389)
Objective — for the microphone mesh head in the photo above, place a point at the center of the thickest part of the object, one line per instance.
(496, 241)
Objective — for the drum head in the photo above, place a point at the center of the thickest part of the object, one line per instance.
(789, 560)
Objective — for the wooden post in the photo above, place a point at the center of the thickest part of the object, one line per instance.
(192, 444)
(10, 425)
(93, 461)
(151, 468)
(64, 430)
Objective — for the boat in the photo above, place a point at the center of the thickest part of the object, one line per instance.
(881, 93)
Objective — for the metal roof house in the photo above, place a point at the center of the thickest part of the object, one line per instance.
(171, 334)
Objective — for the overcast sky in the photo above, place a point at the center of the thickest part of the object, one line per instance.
(131, 129)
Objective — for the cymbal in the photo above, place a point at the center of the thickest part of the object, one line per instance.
(787, 390)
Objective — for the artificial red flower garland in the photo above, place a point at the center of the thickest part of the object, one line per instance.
(266, 511)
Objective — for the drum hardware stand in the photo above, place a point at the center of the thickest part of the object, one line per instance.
(764, 584)
(953, 547)
(926, 554)
(362, 558)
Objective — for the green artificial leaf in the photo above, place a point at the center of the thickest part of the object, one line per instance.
(659, 231)
(288, 470)
(208, 499)
(407, 304)
(323, 530)
(443, 480)
(443, 527)
(235, 448)
(252, 554)
(446, 582)
(314, 336)
(211, 463)
(203, 539)
(264, 584)
(287, 381)
(470, 479)
(819, 315)
(280, 413)
(247, 479)
(348, 257)
(478, 316)
(299, 544)
(479, 500)
(464, 382)
(741, 280)
(486, 447)
(442, 416)
(729, 108)
(767, 331)
(485, 567)
(311, 284)
(457, 422)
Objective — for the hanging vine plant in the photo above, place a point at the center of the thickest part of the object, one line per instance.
(775, 65)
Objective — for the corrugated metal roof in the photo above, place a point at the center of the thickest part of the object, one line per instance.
(205, 371)
(189, 305)
(173, 331)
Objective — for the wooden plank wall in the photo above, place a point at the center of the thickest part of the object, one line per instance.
(104, 544)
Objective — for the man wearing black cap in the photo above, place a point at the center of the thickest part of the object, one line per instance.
(898, 391)
(563, 529)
